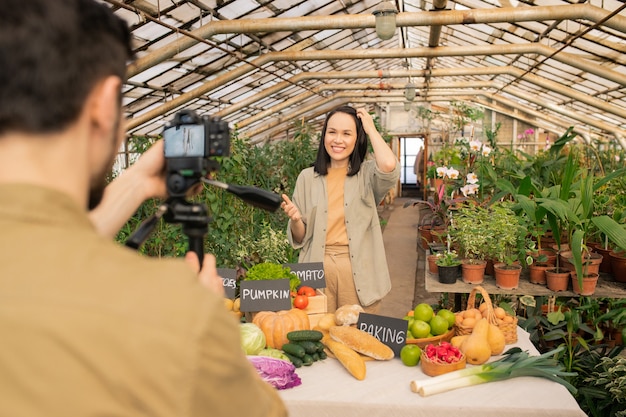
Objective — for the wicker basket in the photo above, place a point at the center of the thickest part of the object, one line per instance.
(434, 340)
(508, 328)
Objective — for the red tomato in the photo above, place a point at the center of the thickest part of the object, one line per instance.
(308, 291)
(301, 301)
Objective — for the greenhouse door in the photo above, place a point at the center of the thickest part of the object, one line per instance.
(409, 150)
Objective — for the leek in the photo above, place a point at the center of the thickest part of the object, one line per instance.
(514, 363)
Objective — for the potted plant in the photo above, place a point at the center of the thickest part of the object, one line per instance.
(508, 247)
(448, 264)
(470, 230)
(435, 221)
(616, 233)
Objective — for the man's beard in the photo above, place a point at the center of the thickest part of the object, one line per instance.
(96, 192)
(99, 182)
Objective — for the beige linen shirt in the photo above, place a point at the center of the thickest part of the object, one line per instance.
(362, 194)
(90, 328)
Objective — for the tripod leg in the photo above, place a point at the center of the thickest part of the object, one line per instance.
(195, 236)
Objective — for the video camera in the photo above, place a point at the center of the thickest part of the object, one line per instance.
(190, 141)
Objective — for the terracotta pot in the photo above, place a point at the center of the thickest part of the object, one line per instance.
(536, 272)
(507, 276)
(564, 247)
(564, 260)
(489, 267)
(473, 271)
(618, 265)
(432, 266)
(439, 234)
(549, 253)
(449, 274)
(425, 236)
(589, 283)
(591, 262)
(605, 265)
(557, 280)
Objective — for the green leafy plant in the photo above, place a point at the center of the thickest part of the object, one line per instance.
(269, 271)
(470, 228)
(448, 258)
(604, 393)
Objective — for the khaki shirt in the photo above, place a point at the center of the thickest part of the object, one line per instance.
(362, 194)
(91, 328)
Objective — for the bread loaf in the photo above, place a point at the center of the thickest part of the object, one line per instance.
(361, 342)
(350, 360)
(348, 314)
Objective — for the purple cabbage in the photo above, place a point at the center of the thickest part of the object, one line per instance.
(279, 373)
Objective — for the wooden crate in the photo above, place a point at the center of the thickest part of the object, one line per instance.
(317, 304)
(315, 318)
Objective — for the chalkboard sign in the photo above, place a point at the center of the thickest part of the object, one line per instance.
(311, 274)
(229, 281)
(265, 295)
(389, 330)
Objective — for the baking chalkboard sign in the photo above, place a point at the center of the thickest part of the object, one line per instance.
(229, 281)
(311, 274)
(389, 330)
(265, 295)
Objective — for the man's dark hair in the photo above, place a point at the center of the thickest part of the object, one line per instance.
(52, 53)
(360, 149)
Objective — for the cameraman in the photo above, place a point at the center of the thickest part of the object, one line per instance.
(89, 327)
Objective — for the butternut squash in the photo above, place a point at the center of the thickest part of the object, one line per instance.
(276, 324)
(476, 347)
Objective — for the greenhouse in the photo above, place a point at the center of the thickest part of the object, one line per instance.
(409, 207)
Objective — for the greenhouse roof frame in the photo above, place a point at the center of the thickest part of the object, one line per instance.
(262, 64)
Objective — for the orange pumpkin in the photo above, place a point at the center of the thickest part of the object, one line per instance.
(276, 325)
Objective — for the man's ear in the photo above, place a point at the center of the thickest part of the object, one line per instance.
(104, 107)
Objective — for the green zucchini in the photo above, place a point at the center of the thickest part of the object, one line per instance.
(294, 349)
(301, 335)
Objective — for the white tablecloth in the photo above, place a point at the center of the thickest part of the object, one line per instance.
(329, 390)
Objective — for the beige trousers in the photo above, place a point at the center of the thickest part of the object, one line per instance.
(340, 289)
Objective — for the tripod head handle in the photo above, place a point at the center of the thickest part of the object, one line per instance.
(254, 196)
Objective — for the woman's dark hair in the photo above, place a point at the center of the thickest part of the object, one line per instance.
(52, 54)
(360, 148)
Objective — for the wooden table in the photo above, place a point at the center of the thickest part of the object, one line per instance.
(329, 390)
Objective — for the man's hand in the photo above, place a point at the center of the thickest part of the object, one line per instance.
(208, 275)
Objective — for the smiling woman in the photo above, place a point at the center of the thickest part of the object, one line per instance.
(333, 217)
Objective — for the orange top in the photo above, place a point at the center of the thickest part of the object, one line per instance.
(336, 233)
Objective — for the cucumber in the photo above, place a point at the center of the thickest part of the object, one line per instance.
(323, 355)
(320, 346)
(302, 335)
(309, 347)
(307, 360)
(315, 356)
(294, 349)
(297, 362)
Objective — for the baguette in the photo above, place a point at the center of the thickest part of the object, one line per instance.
(350, 360)
(361, 342)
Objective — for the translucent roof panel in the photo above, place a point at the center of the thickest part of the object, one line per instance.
(263, 64)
